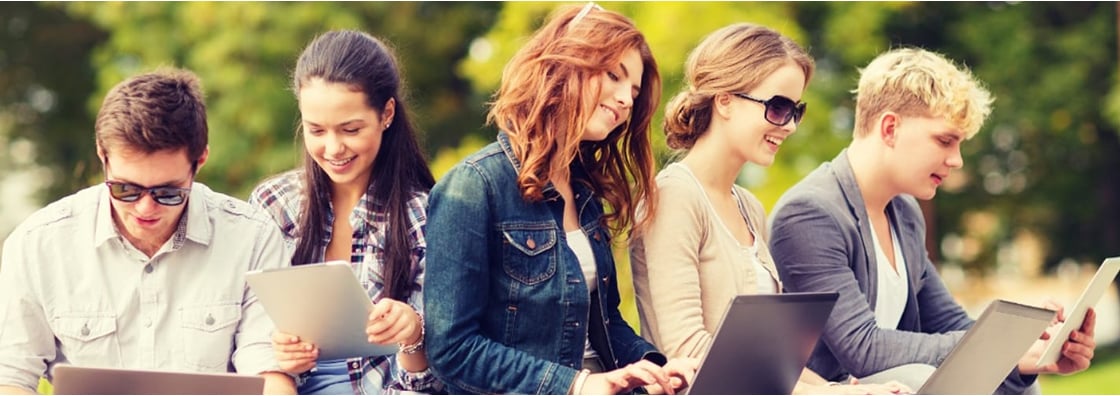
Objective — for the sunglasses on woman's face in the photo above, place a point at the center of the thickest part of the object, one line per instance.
(779, 109)
(128, 192)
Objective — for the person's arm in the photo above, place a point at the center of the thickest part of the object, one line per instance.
(14, 390)
(277, 383)
(26, 342)
(666, 272)
(253, 352)
(458, 266)
(813, 251)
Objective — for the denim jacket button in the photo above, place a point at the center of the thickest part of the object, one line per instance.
(531, 243)
(596, 236)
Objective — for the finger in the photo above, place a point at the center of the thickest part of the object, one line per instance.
(280, 337)
(1089, 325)
(380, 308)
(1075, 350)
(1084, 339)
(655, 373)
(390, 329)
(1054, 305)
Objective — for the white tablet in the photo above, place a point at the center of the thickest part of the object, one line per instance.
(1105, 274)
(321, 303)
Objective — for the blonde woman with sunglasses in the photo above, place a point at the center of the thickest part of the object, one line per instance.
(705, 241)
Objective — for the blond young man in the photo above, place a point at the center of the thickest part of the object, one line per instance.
(854, 226)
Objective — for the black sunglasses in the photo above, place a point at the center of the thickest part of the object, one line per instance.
(779, 109)
(167, 196)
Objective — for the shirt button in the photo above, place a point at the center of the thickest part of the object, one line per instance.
(148, 268)
(85, 329)
(209, 319)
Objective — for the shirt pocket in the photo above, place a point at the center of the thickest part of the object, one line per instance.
(87, 338)
(207, 335)
(528, 254)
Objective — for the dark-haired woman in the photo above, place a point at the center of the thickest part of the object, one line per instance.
(360, 197)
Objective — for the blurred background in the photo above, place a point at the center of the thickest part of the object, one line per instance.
(1030, 217)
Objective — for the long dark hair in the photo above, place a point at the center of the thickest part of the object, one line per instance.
(400, 170)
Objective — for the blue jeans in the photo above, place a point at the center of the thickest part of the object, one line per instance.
(329, 377)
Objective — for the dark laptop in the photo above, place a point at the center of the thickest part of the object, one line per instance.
(762, 344)
(75, 380)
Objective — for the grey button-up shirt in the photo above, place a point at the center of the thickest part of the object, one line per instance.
(74, 290)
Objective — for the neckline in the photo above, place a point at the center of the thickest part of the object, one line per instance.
(715, 214)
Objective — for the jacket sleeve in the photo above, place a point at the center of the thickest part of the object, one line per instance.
(814, 252)
(458, 267)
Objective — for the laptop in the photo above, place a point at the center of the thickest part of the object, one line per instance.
(989, 350)
(321, 303)
(762, 344)
(77, 380)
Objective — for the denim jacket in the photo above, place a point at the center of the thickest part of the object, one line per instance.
(507, 308)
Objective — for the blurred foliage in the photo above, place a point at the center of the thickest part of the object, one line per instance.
(43, 95)
(244, 53)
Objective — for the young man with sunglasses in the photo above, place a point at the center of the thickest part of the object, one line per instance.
(854, 226)
(145, 270)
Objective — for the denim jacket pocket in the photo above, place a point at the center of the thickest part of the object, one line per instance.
(528, 252)
(208, 334)
(87, 337)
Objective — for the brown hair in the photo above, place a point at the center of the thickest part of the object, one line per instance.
(549, 90)
(367, 64)
(160, 110)
(735, 58)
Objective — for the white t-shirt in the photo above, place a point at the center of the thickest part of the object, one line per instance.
(890, 299)
(577, 241)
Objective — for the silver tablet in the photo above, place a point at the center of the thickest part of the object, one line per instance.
(76, 380)
(1105, 274)
(321, 303)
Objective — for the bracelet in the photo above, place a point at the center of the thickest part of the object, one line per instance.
(412, 349)
(577, 386)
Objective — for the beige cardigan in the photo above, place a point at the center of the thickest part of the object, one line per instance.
(687, 267)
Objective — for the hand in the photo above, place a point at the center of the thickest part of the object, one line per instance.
(1077, 351)
(642, 372)
(393, 322)
(292, 355)
(680, 372)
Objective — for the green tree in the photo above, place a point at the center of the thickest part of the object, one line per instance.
(43, 93)
(244, 52)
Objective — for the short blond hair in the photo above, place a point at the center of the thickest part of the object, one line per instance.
(917, 82)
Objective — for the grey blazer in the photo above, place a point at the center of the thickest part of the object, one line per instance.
(821, 242)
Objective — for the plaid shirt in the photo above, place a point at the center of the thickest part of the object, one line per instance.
(282, 196)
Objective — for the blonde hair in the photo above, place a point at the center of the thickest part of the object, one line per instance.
(735, 58)
(917, 82)
(547, 93)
